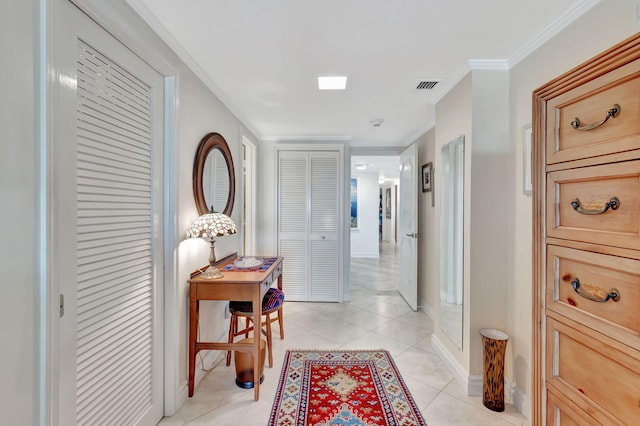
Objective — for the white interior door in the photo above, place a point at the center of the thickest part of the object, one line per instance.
(106, 227)
(408, 226)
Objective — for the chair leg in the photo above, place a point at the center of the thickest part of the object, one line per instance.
(281, 323)
(233, 328)
(269, 340)
(246, 327)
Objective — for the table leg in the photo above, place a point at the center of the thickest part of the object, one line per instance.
(257, 337)
(193, 335)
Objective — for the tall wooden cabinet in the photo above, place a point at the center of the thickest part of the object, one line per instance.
(586, 132)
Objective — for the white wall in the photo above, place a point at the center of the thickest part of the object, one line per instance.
(453, 118)
(201, 112)
(364, 239)
(488, 210)
(428, 282)
(20, 312)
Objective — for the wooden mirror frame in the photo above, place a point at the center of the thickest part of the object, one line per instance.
(208, 143)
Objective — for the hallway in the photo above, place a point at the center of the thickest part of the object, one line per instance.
(377, 317)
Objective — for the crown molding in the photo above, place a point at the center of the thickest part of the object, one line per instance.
(307, 138)
(489, 64)
(505, 64)
(165, 35)
(552, 30)
(419, 133)
(450, 83)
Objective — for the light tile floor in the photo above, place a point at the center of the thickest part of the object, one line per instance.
(376, 317)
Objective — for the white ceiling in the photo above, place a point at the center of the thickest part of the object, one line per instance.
(387, 167)
(261, 58)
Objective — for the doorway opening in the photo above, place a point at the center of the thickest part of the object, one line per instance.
(374, 250)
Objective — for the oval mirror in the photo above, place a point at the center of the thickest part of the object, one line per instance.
(214, 175)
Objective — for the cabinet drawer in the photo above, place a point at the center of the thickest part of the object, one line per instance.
(597, 204)
(592, 369)
(590, 103)
(561, 411)
(577, 276)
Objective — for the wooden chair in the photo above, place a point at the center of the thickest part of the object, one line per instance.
(272, 302)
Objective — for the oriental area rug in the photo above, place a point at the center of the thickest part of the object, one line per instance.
(342, 387)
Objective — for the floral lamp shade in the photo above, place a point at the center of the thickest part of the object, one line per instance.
(211, 225)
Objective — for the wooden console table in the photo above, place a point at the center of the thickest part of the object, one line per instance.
(241, 285)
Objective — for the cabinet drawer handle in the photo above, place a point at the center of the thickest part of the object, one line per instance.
(613, 294)
(613, 204)
(613, 112)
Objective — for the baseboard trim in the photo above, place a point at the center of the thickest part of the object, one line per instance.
(208, 359)
(518, 398)
(366, 255)
(472, 385)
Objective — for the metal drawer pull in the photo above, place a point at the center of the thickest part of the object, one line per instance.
(613, 204)
(613, 293)
(613, 112)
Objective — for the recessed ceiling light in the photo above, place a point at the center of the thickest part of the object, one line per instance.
(361, 166)
(334, 82)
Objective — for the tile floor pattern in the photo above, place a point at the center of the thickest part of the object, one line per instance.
(376, 317)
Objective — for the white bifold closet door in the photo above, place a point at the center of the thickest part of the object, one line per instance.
(308, 224)
(106, 257)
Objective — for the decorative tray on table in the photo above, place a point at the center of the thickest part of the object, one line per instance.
(248, 262)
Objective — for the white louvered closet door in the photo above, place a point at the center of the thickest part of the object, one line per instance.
(323, 220)
(107, 228)
(308, 217)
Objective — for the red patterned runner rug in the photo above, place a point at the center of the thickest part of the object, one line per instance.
(342, 387)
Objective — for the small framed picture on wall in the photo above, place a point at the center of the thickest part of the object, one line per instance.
(426, 176)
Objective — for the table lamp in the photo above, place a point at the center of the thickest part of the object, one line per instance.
(211, 225)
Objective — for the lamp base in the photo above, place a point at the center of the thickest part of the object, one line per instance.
(211, 273)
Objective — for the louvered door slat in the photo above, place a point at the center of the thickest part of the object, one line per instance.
(110, 84)
(111, 172)
(125, 162)
(114, 237)
(293, 187)
(215, 175)
(112, 141)
(124, 382)
(120, 289)
(133, 159)
(324, 274)
(96, 121)
(296, 284)
(324, 194)
(103, 75)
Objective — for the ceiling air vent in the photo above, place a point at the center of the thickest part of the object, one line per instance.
(426, 85)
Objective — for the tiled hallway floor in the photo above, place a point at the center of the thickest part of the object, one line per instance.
(377, 317)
